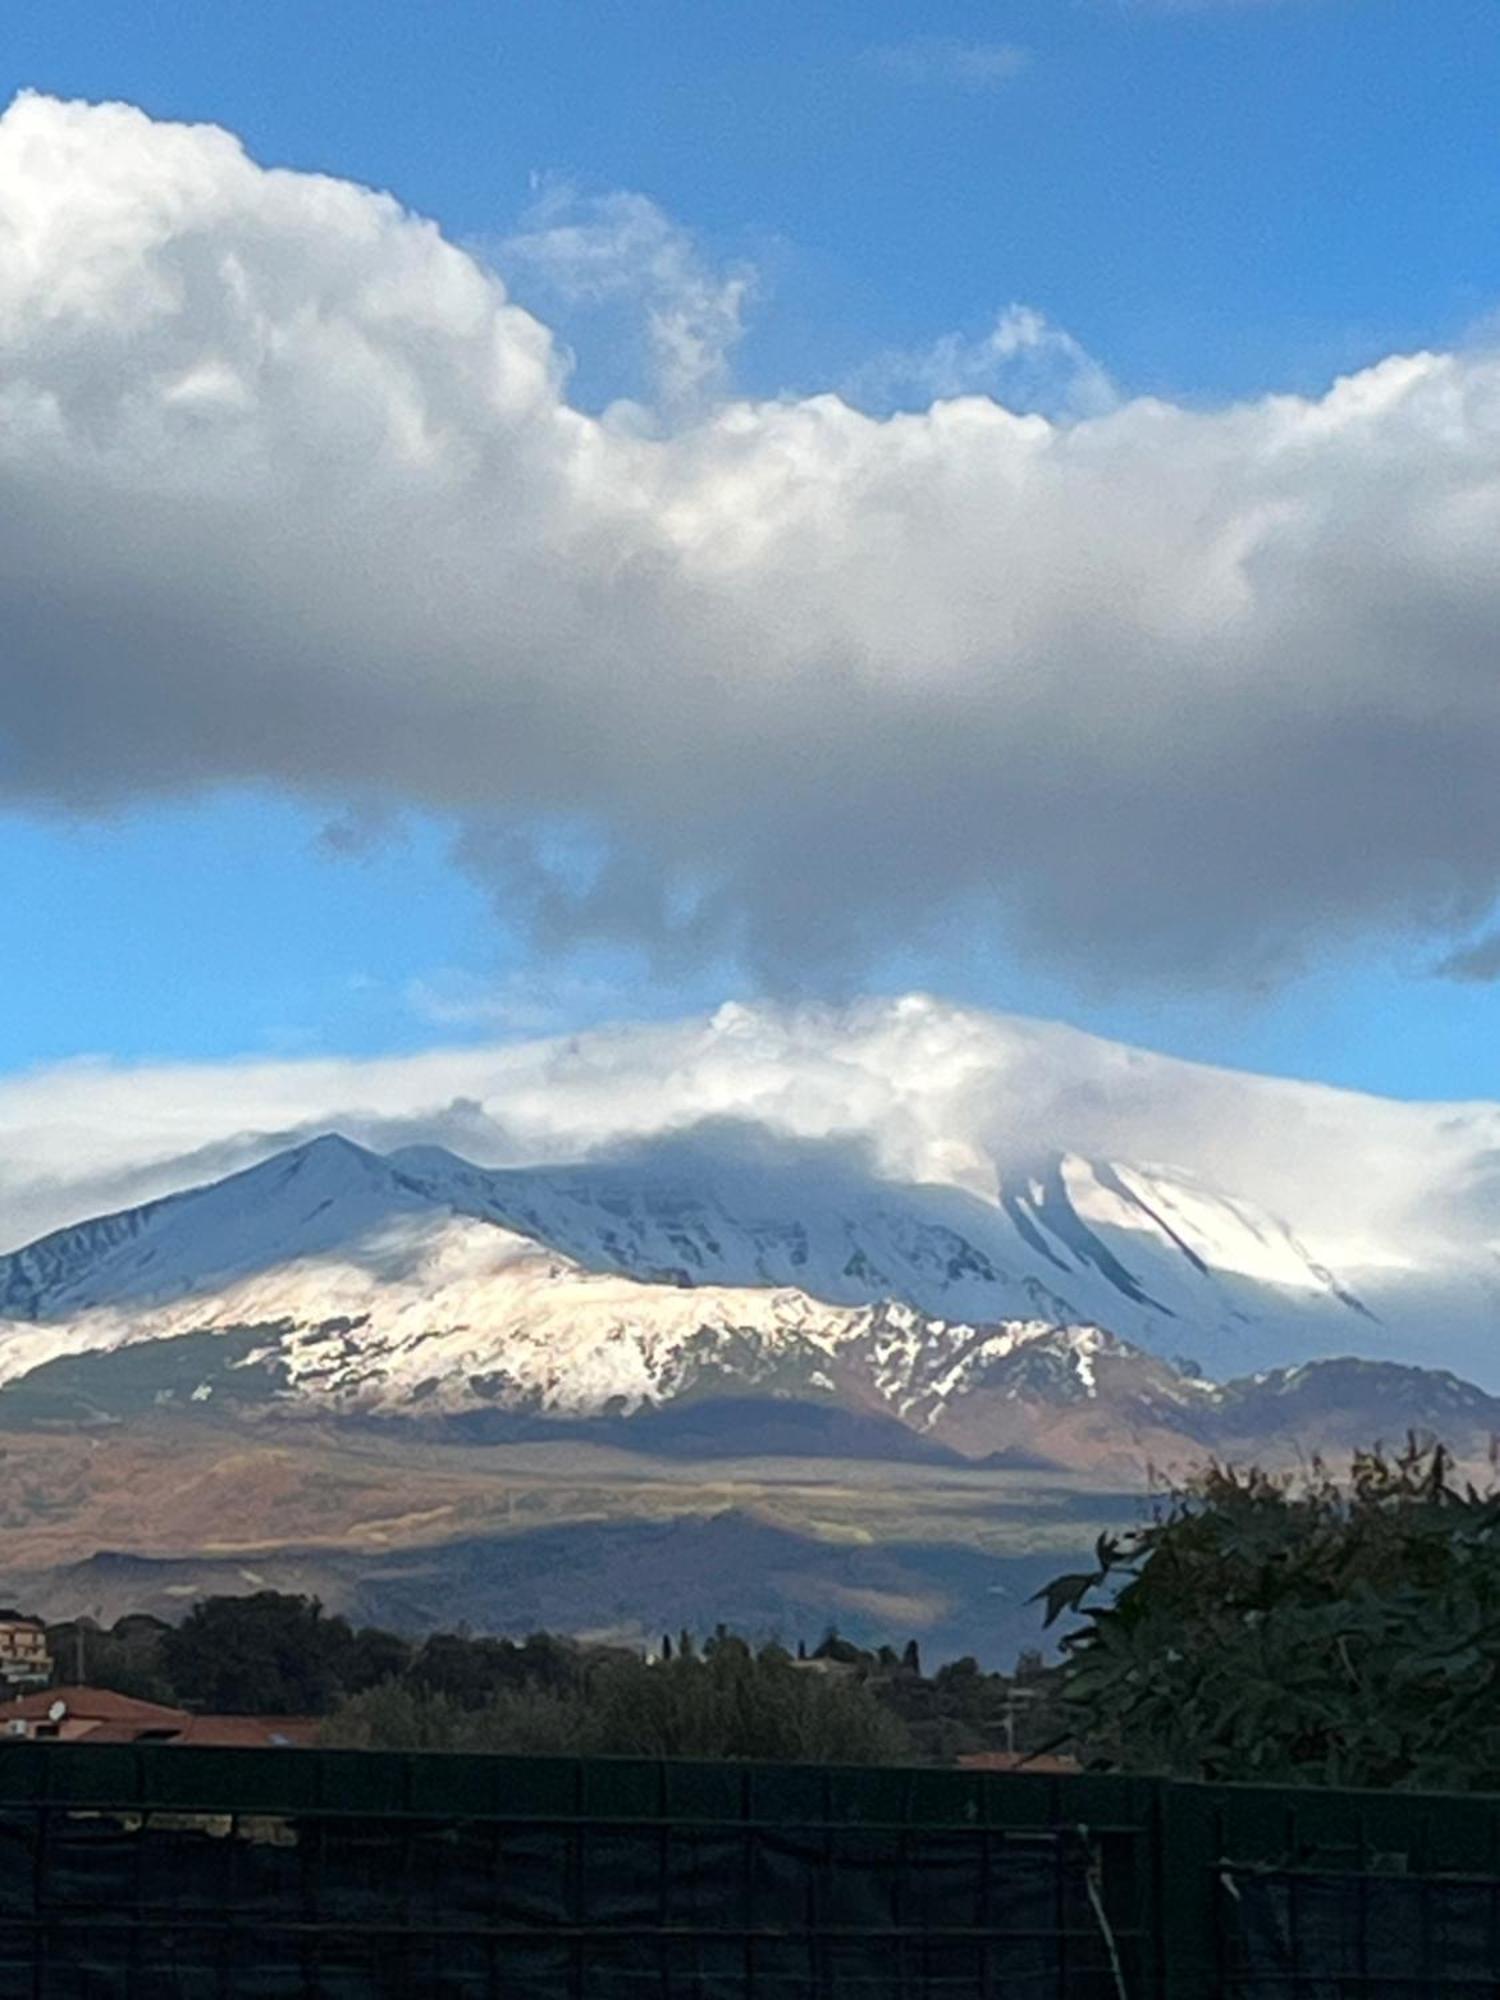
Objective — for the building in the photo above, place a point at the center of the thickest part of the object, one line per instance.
(25, 1661)
(99, 1715)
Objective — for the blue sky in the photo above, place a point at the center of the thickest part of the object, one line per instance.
(1213, 201)
(1215, 198)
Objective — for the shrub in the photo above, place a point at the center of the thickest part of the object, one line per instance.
(729, 1704)
(1297, 1631)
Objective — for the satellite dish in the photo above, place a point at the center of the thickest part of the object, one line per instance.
(57, 1711)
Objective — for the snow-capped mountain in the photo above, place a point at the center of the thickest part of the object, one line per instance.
(976, 1167)
(349, 1282)
(330, 1230)
(391, 1284)
(1150, 1256)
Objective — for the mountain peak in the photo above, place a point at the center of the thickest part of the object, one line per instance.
(308, 1200)
(1073, 1240)
(331, 1143)
(421, 1282)
(328, 1148)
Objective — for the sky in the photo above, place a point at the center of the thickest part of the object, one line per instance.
(991, 499)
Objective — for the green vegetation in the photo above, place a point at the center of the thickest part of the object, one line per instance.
(275, 1654)
(126, 1657)
(1297, 1632)
(730, 1702)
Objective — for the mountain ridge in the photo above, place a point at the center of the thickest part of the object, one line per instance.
(1154, 1259)
(361, 1284)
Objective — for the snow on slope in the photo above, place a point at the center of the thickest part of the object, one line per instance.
(932, 1092)
(302, 1204)
(345, 1282)
(1159, 1261)
(375, 1294)
(978, 1170)
(1398, 1202)
(420, 1277)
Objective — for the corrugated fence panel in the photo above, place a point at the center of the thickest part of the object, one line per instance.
(157, 1871)
(1391, 1896)
(175, 1872)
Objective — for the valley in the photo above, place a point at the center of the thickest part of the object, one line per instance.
(570, 1535)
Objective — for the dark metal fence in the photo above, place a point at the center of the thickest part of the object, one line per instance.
(159, 1871)
(1314, 1895)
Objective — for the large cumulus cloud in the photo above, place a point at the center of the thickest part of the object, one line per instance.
(292, 493)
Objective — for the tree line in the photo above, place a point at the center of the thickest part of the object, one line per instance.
(690, 1695)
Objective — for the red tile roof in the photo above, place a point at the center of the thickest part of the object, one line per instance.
(86, 1704)
(257, 1732)
(99, 1715)
(1017, 1760)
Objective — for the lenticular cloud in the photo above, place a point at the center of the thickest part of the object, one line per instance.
(292, 493)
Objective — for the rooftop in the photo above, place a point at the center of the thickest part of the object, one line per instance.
(99, 1715)
(87, 1704)
(1018, 1760)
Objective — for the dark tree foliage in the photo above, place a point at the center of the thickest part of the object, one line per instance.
(729, 1703)
(125, 1657)
(272, 1654)
(470, 1672)
(1297, 1631)
(962, 1709)
(719, 1696)
(369, 1658)
(843, 1652)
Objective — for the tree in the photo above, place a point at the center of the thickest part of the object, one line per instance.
(1296, 1631)
(126, 1658)
(731, 1703)
(838, 1651)
(267, 1654)
(473, 1671)
(370, 1658)
(395, 1716)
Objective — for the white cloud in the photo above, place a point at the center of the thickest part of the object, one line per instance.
(292, 495)
(942, 59)
(1023, 362)
(929, 1091)
(621, 248)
